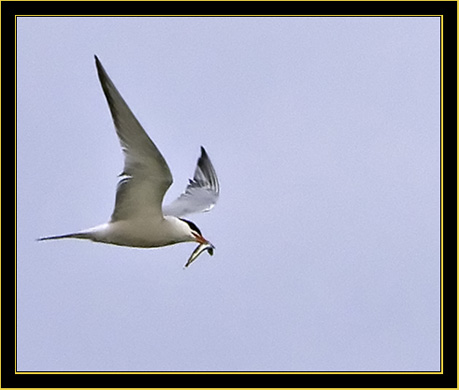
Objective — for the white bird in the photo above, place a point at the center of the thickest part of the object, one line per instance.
(139, 220)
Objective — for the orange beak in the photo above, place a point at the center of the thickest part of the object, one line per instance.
(200, 239)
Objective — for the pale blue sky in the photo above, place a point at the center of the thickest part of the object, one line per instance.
(325, 135)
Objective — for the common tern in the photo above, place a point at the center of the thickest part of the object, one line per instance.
(139, 219)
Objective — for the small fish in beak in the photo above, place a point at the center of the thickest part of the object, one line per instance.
(205, 245)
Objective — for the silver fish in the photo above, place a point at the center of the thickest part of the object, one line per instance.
(199, 249)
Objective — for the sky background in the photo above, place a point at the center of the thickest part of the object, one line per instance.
(325, 135)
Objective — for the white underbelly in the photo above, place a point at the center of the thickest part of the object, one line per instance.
(139, 234)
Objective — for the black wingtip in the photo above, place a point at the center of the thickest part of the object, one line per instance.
(98, 63)
(203, 151)
(101, 73)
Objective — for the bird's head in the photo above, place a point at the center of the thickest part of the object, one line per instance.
(194, 233)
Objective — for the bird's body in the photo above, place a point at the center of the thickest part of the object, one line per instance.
(140, 233)
(139, 218)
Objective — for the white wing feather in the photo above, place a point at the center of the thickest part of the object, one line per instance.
(202, 192)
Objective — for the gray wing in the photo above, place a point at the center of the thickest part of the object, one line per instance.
(202, 192)
(146, 175)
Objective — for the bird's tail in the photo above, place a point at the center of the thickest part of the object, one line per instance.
(81, 235)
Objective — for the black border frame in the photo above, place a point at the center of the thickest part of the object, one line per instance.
(447, 378)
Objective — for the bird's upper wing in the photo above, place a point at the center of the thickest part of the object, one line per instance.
(202, 192)
(146, 175)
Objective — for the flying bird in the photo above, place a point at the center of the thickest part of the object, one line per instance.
(139, 219)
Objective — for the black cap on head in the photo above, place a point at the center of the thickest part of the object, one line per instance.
(192, 226)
